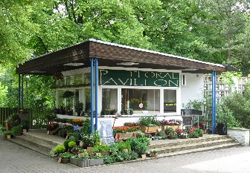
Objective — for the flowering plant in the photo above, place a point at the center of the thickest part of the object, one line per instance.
(124, 129)
(77, 121)
(171, 122)
(181, 133)
(131, 124)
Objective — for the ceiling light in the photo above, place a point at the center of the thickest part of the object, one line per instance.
(37, 71)
(74, 64)
(128, 63)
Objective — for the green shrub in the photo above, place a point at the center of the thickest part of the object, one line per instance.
(7, 132)
(224, 114)
(71, 144)
(16, 130)
(65, 155)
(109, 159)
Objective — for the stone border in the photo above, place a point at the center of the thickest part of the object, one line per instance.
(240, 135)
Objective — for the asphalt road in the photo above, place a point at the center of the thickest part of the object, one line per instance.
(17, 159)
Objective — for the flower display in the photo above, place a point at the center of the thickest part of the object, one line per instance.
(171, 122)
(131, 124)
(77, 121)
(124, 129)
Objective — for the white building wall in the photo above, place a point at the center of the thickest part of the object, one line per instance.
(193, 88)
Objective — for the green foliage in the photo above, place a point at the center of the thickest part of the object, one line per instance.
(83, 155)
(16, 129)
(65, 155)
(57, 150)
(123, 145)
(224, 114)
(109, 159)
(193, 134)
(85, 130)
(7, 132)
(71, 144)
(194, 104)
(139, 145)
(149, 121)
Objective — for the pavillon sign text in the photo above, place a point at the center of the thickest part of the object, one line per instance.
(139, 78)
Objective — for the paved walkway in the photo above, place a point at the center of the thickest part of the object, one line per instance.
(17, 159)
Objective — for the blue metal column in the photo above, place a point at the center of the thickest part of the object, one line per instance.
(19, 92)
(22, 91)
(96, 93)
(91, 95)
(213, 102)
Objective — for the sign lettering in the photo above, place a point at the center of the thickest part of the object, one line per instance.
(139, 78)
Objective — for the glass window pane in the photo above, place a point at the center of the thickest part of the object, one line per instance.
(109, 99)
(141, 100)
(78, 79)
(169, 101)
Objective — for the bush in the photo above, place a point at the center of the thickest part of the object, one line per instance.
(224, 114)
(71, 144)
(238, 104)
(57, 150)
(16, 129)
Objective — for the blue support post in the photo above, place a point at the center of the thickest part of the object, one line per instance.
(22, 91)
(96, 93)
(213, 102)
(91, 95)
(19, 92)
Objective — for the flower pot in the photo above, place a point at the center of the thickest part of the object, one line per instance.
(93, 162)
(153, 155)
(63, 160)
(8, 136)
(74, 161)
(174, 127)
(143, 156)
(83, 163)
(8, 126)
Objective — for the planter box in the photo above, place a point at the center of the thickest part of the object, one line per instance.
(93, 162)
(82, 163)
(124, 135)
(74, 161)
(174, 127)
(190, 112)
(146, 129)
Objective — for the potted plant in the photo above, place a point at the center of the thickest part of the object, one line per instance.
(95, 160)
(65, 157)
(7, 134)
(57, 150)
(149, 124)
(25, 125)
(83, 159)
(74, 159)
(17, 130)
(153, 153)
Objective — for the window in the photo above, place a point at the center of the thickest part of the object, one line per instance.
(169, 101)
(141, 100)
(109, 99)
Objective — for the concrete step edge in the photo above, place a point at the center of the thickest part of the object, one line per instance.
(37, 148)
(165, 145)
(199, 150)
(189, 140)
(21, 140)
(193, 145)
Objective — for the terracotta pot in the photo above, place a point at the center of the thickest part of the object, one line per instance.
(143, 156)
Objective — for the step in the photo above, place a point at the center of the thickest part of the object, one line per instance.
(191, 146)
(40, 140)
(41, 148)
(210, 148)
(174, 142)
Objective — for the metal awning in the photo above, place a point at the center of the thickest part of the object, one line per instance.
(113, 55)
